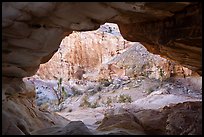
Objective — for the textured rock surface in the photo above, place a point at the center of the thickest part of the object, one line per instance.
(27, 117)
(88, 50)
(32, 31)
(180, 119)
(8, 127)
(73, 128)
(125, 122)
(18, 107)
(184, 119)
(103, 54)
(177, 37)
(136, 60)
(152, 121)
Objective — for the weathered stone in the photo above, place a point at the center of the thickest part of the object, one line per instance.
(32, 32)
(184, 119)
(73, 128)
(8, 127)
(124, 121)
(19, 107)
(152, 121)
(160, 29)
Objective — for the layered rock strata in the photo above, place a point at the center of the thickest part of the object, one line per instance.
(32, 32)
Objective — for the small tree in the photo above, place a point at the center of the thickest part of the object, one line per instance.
(85, 102)
(161, 73)
(109, 101)
(124, 98)
(60, 92)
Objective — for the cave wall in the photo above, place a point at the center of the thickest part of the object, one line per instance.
(32, 32)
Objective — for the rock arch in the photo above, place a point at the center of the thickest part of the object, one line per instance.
(32, 32)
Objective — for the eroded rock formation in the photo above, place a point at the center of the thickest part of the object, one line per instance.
(32, 32)
(84, 52)
(104, 54)
(180, 119)
(73, 128)
(20, 115)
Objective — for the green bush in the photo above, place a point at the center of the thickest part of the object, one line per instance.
(161, 72)
(124, 98)
(85, 102)
(64, 92)
(76, 92)
(94, 105)
(105, 82)
(109, 101)
(150, 90)
(99, 97)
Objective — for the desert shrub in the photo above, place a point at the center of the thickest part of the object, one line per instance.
(110, 30)
(109, 101)
(144, 74)
(161, 72)
(44, 106)
(115, 98)
(64, 92)
(149, 90)
(70, 110)
(162, 75)
(60, 92)
(92, 91)
(104, 82)
(99, 97)
(124, 98)
(76, 92)
(103, 102)
(85, 102)
(94, 105)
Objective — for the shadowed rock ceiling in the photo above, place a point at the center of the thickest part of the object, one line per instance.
(32, 32)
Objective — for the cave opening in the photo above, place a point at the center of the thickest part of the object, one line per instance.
(111, 84)
(97, 82)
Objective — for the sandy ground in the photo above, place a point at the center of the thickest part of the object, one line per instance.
(164, 93)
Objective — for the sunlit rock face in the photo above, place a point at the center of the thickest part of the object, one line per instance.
(84, 51)
(103, 54)
(32, 32)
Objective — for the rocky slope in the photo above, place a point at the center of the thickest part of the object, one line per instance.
(139, 103)
(105, 53)
(110, 60)
(87, 50)
(140, 85)
(134, 110)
